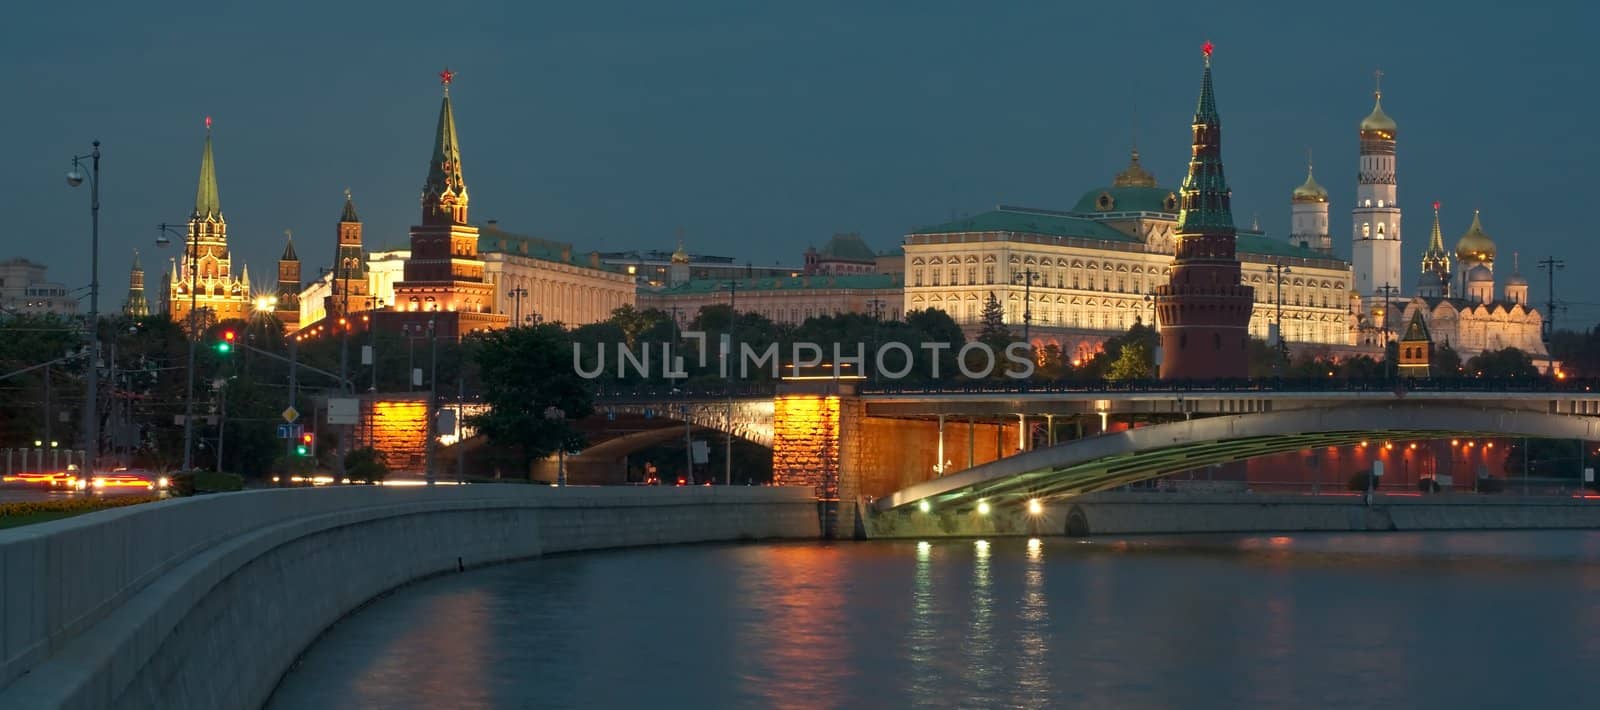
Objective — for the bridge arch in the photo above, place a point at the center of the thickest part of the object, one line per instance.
(1112, 460)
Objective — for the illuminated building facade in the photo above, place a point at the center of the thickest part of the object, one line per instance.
(24, 290)
(785, 300)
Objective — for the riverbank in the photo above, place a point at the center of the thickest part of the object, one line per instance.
(1150, 512)
(148, 605)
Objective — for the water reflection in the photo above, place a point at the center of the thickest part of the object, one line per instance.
(1032, 688)
(1402, 620)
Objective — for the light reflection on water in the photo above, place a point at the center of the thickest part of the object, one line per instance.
(1413, 620)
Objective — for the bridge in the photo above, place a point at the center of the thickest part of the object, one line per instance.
(900, 446)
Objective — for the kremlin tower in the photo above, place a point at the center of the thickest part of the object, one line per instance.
(350, 290)
(1309, 221)
(287, 305)
(137, 306)
(204, 275)
(1434, 281)
(444, 274)
(1204, 311)
(1375, 255)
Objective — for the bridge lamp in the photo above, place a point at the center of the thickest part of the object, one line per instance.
(924, 506)
(983, 507)
(1035, 507)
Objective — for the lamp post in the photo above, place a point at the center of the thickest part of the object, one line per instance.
(193, 252)
(75, 178)
(554, 414)
(1027, 277)
(516, 295)
(875, 306)
(433, 396)
(1277, 270)
(1388, 291)
(372, 351)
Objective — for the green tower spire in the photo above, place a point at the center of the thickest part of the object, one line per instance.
(1206, 204)
(349, 208)
(206, 203)
(444, 195)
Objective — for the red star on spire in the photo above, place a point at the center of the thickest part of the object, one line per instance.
(1206, 48)
(1435, 205)
(446, 76)
(208, 123)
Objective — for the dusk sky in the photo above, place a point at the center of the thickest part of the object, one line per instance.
(760, 128)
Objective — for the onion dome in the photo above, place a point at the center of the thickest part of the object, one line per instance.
(1475, 245)
(680, 256)
(1479, 274)
(1516, 278)
(1430, 280)
(1377, 125)
(1310, 191)
(1135, 175)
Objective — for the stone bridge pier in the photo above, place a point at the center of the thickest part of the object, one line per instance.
(824, 438)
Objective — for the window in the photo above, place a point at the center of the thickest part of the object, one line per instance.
(916, 277)
(1366, 230)
(972, 274)
(1075, 281)
(938, 277)
(955, 276)
(988, 274)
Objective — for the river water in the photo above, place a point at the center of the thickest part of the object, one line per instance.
(1416, 620)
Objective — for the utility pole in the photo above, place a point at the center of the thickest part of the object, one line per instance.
(727, 363)
(461, 442)
(294, 386)
(1550, 265)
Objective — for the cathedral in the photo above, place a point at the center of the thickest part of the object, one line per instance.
(1459, 307)
(203, 279)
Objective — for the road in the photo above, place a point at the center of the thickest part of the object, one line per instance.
(21, 494)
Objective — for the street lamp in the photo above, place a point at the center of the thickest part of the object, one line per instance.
(75, 177)
(554, 414)
(516, 295)
(1386, 315)
(193, 237)
(1027, 277)
(1277, 270)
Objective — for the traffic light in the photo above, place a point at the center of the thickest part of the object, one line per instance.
(225, 341)
(308, 444)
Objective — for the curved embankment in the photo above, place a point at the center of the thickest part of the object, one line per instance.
(205, 602)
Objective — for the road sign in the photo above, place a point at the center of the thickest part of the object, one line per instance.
(1588, 474)
(344, 410)
(290, 414)
(702, 451)
(284, 432)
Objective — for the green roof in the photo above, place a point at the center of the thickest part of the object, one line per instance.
(493, 240)
(1054, 224)
(847, 246)
(1262, 244)
(850, 281)
(1127, 199)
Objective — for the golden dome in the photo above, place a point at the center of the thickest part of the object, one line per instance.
(1377, 124)
(1135, 175)
(680, 256)
(1475, 245)
(1310, 191)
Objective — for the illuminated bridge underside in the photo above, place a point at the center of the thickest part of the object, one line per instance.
(1112, 460)
(748, 419)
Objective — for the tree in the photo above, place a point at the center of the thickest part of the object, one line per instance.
(527, 376)
(1509, 363)
(1135, 362)
(994, 332)
(1446, 362)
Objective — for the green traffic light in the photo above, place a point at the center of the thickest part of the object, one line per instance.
(301, 449)
(224, 348)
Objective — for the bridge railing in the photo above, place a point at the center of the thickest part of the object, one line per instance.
(1398, 386)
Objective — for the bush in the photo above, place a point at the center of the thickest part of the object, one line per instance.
(365, 464)
(1490, 484)
(189, 483)
(1358, 482)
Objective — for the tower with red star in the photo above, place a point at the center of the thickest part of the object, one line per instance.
(1204, 310)
(444, 276)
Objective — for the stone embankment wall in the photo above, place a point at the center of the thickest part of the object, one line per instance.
(205, 602)
(1142, 512)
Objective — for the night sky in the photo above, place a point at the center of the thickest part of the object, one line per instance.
(759, 129)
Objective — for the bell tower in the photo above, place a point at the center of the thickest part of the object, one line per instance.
(1375, 251)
